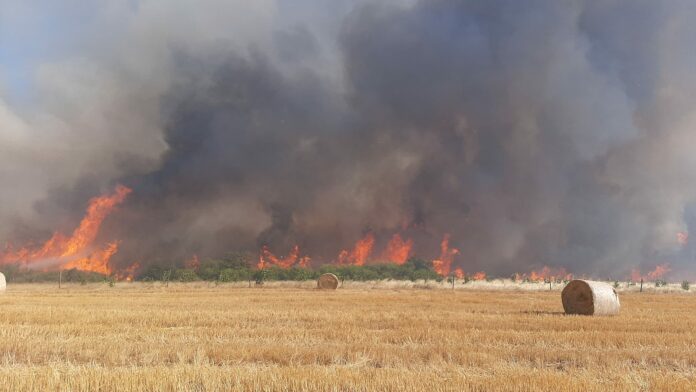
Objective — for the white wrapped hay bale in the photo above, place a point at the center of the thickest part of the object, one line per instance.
(327, 282)
(3, 284)
(590, 298)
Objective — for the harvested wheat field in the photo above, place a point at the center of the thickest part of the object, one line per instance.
(198, 337)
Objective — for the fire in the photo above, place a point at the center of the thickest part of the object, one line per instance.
(682, 238)
(398, 250)
(304, 262)
(479, 276)
(444, 263)
(129, 272)
(78, 250)
(267, 257)
(658, 273)
(193, 262)
(546, 273)
(360, 253)
(459, 273)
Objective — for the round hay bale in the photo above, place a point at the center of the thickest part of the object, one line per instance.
(3, 285)
(327, 282)
(590, 298)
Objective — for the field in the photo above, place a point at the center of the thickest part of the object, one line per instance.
(202, 337)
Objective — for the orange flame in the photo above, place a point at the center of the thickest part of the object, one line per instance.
(659, 272)
(304, 262)
(266, 257)
(444, 263)
(398, 250)
(360, 253)
(459, 273)
(129, 272)
(77, 251)
(479, 276)
(545, 274)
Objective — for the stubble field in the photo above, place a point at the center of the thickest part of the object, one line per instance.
(198, 337)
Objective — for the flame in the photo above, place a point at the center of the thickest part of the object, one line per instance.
(76, 251)
(398, 250)
(304, 262)
(545, 274)
(683, 238)
(360, 253)
(193, 262)
(262, 263)
(129, 272)
(459, 273)
(479, 276)
(267, 257)
(658, 273)
(444, 263)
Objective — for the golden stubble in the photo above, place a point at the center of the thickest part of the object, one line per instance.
(201, 337)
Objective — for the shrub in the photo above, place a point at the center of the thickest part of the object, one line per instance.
(234, 275)
(685, 285)
(185, 275)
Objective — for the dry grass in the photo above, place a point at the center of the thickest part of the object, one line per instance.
(145, 337)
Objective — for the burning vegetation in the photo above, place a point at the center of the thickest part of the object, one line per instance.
(80, 250)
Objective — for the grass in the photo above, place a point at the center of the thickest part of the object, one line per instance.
(200, 337)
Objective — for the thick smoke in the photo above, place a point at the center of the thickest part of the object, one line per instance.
(535, 133)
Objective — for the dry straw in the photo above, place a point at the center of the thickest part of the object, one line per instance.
(327, 282)
(590, 298)
(3, 285)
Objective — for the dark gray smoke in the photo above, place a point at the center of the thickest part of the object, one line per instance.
(535, 133)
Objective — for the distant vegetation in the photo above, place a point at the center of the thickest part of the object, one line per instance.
(15, 274)
(238, 267)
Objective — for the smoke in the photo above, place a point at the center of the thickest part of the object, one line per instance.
(542, 133)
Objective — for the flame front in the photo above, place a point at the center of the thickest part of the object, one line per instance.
(658, 273)
(398, 250)
(267, 257)
(546, 274)
(78, 250)
(444, 263)
(360, 253)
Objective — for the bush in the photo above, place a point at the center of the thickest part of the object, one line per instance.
(186, 275)
(685, 285)
(234, 275)
(235, 267)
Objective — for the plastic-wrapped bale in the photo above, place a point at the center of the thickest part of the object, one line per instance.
(327, 282)
(590, 298)
(3, 285)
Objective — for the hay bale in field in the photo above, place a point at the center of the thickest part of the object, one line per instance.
(327, 282)
(590, 298)
(2, 282)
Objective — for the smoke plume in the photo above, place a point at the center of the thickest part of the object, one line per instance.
(532, 133)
